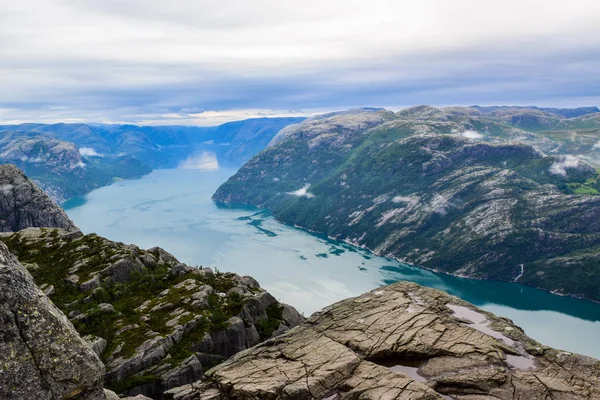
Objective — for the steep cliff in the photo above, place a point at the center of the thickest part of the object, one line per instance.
(24, 205)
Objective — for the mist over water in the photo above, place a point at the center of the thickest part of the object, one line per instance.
(173, 209)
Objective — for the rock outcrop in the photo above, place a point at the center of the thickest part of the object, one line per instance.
(41, 354)
(405, 342)
(24, 205)
(155, 322)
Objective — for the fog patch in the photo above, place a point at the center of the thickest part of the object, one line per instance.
(302, 192)
(89, 152)
(205, 161)
(560, 167)
(471, 135)
(402, 199)
(6, 189)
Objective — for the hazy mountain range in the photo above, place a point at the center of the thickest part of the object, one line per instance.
(71, 159)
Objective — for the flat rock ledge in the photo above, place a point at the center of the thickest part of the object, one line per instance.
(405, 342)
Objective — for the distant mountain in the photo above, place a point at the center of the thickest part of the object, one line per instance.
(448, 189)
(68, 160)
(239, 141)
(156, 147)
(565, 112)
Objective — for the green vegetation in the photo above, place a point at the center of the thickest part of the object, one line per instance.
(266, 327)
(146, 302)
(589, 187)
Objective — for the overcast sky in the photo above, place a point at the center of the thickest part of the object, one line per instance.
(204, 62)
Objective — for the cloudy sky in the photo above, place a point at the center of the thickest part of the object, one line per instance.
(204, 62)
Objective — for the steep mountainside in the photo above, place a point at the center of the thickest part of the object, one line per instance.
(155, 322)
(402, 342)
(445, 189)
(24, 205)
(41, 354)
(241, 140)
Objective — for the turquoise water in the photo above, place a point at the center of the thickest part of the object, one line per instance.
(173, 209)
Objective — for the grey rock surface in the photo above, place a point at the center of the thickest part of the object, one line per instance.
(402, 341)
(41, 354)
(24, 205)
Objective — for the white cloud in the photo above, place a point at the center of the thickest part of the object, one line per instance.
(401, 199)
(471, 135)
(560, 167)
(92, 60)
(89, 152)
(205, 161)
(6, 189)
(303, 192)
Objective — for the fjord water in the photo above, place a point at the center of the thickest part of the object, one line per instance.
(173, 209)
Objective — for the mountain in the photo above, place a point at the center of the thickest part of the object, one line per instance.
(240, 140)
(565, 112)
(449, 190)
(155, 147)
(402, 342)
(23, 204)
(162, 146)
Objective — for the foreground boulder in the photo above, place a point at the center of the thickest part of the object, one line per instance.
(155, 322)
(41, 354)
(402, 341)
(24, 205)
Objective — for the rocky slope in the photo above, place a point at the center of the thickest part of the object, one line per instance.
(155, 322)
(405, 342)
(450, 190)
(41, 354)
(24, 205)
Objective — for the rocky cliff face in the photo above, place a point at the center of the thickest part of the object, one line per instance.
(156, 323)
(24, 205)
(41, 354)
(404, 342)
(447, 189)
